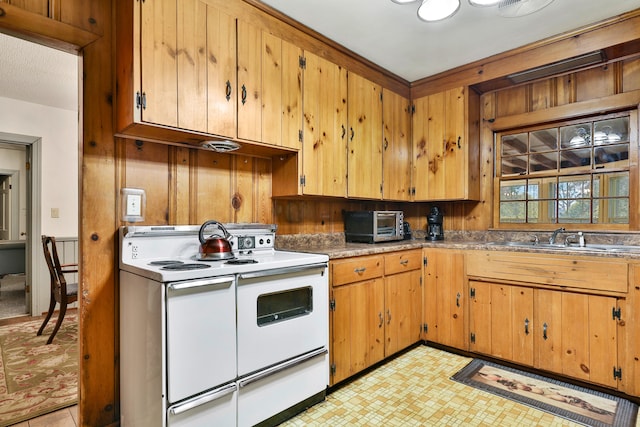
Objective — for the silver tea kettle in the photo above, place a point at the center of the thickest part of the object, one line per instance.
(214, 247)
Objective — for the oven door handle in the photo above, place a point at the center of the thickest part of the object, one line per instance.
(201, 400)
(283, 270)
(281, 367)
(179, 286)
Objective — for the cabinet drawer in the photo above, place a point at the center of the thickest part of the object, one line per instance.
(398, 262)
(356, 269)
(579, 272)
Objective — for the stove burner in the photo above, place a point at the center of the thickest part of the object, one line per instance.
(166, 262)
(241, 261)
(182, 266)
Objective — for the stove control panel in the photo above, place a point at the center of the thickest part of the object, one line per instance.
(261, 241)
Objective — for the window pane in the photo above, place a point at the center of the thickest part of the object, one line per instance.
(574, 211)
(611, 185)
(619, 211)
(574, 187)
(543, 140)
(541, 212)
(575, 158)
(514, 144)
(611, 131)
(575, 136)
(512, 212)
(514, 165)
(543, 188)
(513, 190)
(612, 153)
(543, 162)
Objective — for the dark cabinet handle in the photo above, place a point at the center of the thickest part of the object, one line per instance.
(388, 316)
(458, 300)
(244, 94)
(228, 90)
(381, 319)
(526, 326)
(352, 133)
(459, 143)
(544, 331)
(386, 143)
(344, 131)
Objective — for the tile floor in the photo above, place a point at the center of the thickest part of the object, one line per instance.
(413, 389)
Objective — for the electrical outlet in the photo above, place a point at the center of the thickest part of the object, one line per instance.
(133, 201)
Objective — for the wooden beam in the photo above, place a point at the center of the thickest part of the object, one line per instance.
(36, 28)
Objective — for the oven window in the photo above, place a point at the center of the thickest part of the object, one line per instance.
(386, 224)
(280, 306)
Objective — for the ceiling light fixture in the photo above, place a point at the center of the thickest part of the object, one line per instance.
(437, 10)
(483, 3)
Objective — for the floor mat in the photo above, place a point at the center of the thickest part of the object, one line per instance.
(574, 403)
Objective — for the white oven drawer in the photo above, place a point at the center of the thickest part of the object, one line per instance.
(214, 408)
(281, 316)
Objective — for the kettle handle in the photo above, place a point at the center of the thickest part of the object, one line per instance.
(212, 222)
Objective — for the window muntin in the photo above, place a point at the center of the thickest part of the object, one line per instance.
(575, 173)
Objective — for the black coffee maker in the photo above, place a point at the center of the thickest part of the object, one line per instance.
(434, 225)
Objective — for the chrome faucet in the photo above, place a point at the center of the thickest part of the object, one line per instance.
(552, 239)
(580, 237)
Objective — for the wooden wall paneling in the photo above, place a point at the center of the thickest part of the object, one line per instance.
(82, 14)
(596, 82)
(191, 52)
(263, 206)
(98, 298)
(631, 75)
(212, 187)
(565, 92)
(512, 101)
(180, 185)
(41, 7)
(243, 194)
(147, 167)
(542, 95)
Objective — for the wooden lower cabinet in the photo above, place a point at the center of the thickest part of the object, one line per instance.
(444, 298)
(373, 314)
(569, 333)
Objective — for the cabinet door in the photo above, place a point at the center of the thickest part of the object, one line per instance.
(357, 340)
(402, 310)
(396, 147)
(249, 81)
(324, 151)
(444, 298)
(576, 335)
(221, 73)
(159, 73)
(449, 175)
(501, 321)
(364, 169)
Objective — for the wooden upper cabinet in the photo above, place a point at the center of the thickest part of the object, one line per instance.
(365, 138)
(446, 146)
(176, 67)
(396, 147)
(324, 155)
(269, 93)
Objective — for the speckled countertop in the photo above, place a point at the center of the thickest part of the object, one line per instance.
(335, 246)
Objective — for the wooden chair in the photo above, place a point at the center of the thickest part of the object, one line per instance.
(61, 292)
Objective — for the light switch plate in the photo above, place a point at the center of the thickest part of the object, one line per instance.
(133, 201)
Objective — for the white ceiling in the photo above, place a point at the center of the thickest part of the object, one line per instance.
(392, 36)
(37, 74)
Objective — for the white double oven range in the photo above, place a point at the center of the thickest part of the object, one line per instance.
(232, 342)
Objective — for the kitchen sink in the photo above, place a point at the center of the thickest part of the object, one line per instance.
(587, 248)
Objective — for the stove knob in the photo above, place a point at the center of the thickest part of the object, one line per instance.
(262, 241)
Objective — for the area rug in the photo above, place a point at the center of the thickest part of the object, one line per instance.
(578, 404)
(36, 378)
